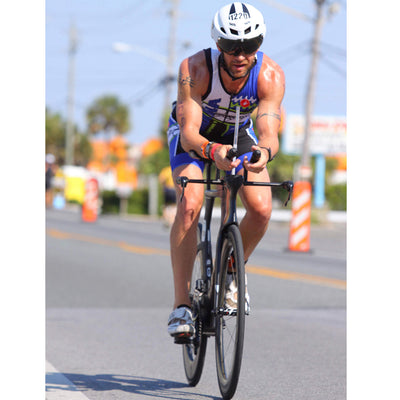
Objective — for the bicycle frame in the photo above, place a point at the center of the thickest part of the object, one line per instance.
(231, 185)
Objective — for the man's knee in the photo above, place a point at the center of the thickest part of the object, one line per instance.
(260, 213)
(188, 210)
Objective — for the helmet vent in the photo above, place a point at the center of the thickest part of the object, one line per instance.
(256, 27)
(234, 32)
(248, 30)
(223, 29)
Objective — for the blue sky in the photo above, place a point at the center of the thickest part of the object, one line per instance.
(135, 78)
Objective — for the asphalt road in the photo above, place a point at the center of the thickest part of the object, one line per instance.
(109, 294)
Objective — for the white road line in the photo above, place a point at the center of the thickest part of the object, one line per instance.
(58, 387)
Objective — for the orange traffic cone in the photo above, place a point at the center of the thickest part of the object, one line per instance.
(90, 202)
(299, 239)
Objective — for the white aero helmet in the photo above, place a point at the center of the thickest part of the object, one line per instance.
(238, 26)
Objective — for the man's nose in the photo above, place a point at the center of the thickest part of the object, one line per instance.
(238, 52)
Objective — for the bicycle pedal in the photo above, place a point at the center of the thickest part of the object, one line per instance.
(184, 339)
(230, 311)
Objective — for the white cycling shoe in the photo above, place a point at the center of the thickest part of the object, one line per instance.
(180, 323)
(231, 296)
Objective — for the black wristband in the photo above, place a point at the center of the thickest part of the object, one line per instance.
(207, 151)
(270, 158)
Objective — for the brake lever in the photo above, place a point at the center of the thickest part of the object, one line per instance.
(288, 185)
(182, 181)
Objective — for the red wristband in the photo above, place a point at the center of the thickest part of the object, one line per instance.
(213, 150)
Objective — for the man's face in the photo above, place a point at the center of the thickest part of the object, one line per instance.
(238, 63)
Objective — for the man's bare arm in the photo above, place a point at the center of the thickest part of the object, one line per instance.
(271, 91)
(270, 114)
(188, 109)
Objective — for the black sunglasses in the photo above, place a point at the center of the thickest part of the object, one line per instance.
(235, 47)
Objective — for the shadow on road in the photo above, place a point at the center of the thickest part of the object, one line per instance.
(154, 388)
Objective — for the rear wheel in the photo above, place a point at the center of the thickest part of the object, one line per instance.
(194, 353)
(230, 321)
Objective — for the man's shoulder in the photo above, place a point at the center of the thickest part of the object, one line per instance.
(198, 58)
(268, 63)
(271, 72)
(196, 65)
(271, 79)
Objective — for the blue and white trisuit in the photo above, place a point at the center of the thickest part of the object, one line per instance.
(219, 110)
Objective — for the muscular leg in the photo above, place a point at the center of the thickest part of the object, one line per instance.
(258, 203)
(183, 232)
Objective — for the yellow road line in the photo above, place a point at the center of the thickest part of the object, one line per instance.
(296, 276)
(251, 269)
(122, 245)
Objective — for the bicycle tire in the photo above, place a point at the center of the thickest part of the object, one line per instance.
(195, 352)
(230, 326)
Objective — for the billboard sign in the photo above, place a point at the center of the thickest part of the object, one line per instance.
(328, 135)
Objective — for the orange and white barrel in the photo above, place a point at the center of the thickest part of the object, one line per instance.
(91, 200)
(300, 224)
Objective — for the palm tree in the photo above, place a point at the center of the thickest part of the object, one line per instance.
(55, 139)
(107, 114)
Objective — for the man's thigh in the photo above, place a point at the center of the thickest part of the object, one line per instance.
(256, 196)
(192, 191)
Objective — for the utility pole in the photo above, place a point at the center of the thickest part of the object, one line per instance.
(169, 79)
(305, 170)
(69, 136)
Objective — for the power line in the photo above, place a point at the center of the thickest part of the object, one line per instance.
(130, 17)
(145, 92)
(141, 97)
(334, 49)
(298, 46)
(333, 66)
(288, 10)
(293, 53)
(294, 57)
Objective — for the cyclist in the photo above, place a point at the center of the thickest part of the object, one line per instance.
(211, 83)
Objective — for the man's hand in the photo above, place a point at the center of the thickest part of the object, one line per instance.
(258, 166)
(221, 161)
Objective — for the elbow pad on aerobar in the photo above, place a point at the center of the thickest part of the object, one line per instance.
(195, 155)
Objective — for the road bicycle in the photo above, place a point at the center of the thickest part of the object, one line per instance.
(211, 279)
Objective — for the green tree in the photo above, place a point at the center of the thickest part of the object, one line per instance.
(82, 149)
(55, 134)
(107, 114)
(154, 163)
(55, 127)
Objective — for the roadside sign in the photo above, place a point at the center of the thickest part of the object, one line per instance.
(328, 135)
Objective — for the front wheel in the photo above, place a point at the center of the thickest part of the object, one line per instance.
(230, 321)
(194, 353)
